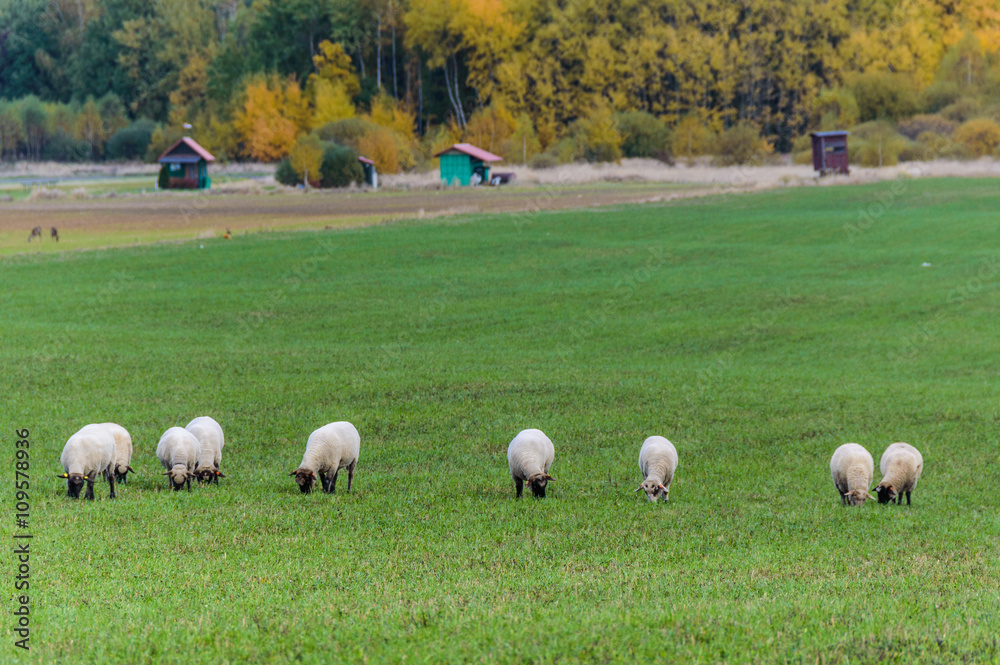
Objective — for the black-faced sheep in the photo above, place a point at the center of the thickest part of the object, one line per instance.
(329, 449)
(529, 457)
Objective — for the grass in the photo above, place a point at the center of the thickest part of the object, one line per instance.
(757, 332)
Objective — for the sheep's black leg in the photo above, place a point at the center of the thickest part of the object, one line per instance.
(907, 497)
(843, 499)
(111, 482)
(519, 485)
(333, 481)
(350, 475)
(324, 482)
(90, 491)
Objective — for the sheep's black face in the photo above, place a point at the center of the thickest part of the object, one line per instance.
(74, 484)
(653, 490)
(121, 474)
(178, 478)
(205, 474)
(886, 493)
(305, 479)
(537, 484)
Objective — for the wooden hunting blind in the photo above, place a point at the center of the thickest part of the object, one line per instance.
(187, 165)
(830, 152)
(464, 164)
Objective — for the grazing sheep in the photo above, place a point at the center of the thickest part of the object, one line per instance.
(209, 435)
(852, 468)
(657, 461)
(35, 233)
(178, 451)
(86, 455)
(900, 466)
(123, 451)
(530, 456)
(54, 232)
(329, 449)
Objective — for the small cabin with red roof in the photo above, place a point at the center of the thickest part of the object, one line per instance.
(464, 164)
(186, 166)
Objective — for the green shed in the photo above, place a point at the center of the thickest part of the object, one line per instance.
(465, 164)
(186, 164)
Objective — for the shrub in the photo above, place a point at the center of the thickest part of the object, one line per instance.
(741, 144)
(692, 137)
(340, 167)
(64, 148)
(643, 134)
(346, 132)
(980, 136)
(380, 146)
(939, 95)
(285, 174)
(918, 124)
(834, 108)
(876, 144)
(883, 95)
(935, 145)
(132, 142)
(963, 109)
(543, 160)
(596, 138)
(306, 157)
(163, 179)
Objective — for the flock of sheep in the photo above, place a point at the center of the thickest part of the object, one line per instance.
(195, 452)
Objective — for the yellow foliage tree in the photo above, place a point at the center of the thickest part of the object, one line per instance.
(491, 128)
(981, 136)
(692, 136)
(381, 146)
(307, 157)
(331, 103)
(267, 121)
(387, 112)
(334, 65)
(90, 126)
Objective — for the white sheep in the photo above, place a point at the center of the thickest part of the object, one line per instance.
(852, 468)
(657, 461)
(178, 451)
(900, 466)
(209, 435)
(88, 454)
(328, 450)
(530, 456)
(123, 451)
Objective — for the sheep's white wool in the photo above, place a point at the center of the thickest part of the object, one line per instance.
(852, 468)
(658, 462)
(900, 466)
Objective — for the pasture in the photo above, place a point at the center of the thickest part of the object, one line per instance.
(757, 332)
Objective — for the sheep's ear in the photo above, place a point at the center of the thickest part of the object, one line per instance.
(548, 477)
(128, 468)
(166, 473)
(872, 497)
(219, 474)
(292, 473)
(65, 475)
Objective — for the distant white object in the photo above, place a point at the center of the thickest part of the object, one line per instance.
(201, 247)
(187, 125)
(926, 265)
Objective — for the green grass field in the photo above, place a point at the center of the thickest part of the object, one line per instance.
(756, 332)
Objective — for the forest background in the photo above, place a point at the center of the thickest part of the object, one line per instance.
(537, 81)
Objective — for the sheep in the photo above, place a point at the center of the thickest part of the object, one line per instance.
(852, 468)
(87, 454)
(530, 456)
(178, 451)
(123, 451)
(329, 449)
(900, 466)
(657, 461)
(209, 435)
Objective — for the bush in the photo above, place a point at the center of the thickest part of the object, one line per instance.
(380, 146)
(935, 145)
(876, 144)
(939, 95)
(346, 132)
(163, 180)
(597, 137)
(543, 160)
(962, 110)
(340, 167)
(64, 148)
(643, 134)
(692, 137)
(741, 144)
(918, 124)
(980, 136)
(285, 174)
(132, 142)
(884, 95)
(834, 108)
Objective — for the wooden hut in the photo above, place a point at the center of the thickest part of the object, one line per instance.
(830, 152)
(186, 163)
(371, 175)
(464, 164)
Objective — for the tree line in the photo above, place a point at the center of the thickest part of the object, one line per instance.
(550, 80)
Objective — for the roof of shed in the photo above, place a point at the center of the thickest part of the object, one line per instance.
(825, 134)
(190, 143)
(472, 151)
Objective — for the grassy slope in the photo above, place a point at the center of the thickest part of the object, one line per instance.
(753, 331)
